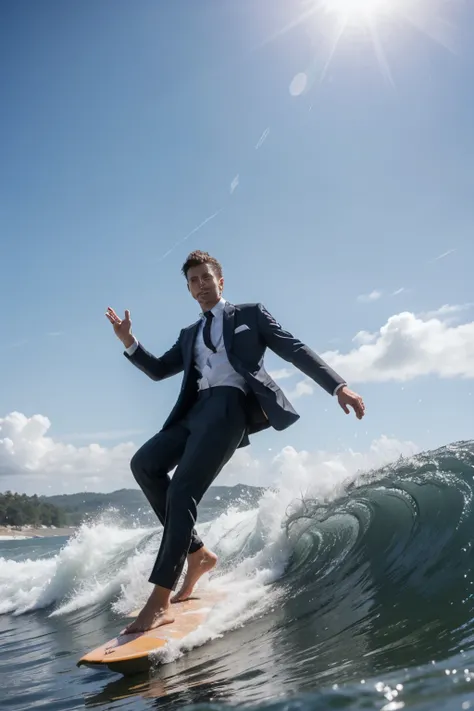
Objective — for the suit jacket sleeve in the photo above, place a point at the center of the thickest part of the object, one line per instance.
(292, 350)
(170, 363)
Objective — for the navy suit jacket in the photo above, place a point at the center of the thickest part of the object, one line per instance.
(266, 403)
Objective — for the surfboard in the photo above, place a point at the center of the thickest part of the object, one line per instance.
(133, 653)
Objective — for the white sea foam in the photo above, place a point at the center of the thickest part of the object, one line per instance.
(106, 563)
(81, 574)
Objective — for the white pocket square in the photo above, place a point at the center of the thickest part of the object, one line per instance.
(241, 328)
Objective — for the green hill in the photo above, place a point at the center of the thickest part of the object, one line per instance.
(132, 505)
(20, 510)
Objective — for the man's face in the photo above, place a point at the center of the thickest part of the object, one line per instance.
(204, 285)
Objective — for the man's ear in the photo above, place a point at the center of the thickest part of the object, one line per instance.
(221, 284)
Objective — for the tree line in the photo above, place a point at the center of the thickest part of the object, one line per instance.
(20, 510)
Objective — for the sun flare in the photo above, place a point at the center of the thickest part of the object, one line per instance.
(358, 9)
(356, 23)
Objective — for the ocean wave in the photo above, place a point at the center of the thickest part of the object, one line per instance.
(374, 566)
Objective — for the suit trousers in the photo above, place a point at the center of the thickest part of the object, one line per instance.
(200, 445)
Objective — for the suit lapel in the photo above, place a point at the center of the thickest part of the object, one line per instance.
(228, 326)
(189, 345)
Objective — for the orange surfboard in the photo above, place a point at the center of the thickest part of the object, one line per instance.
(130, 653)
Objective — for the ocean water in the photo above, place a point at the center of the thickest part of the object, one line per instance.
(354, 594)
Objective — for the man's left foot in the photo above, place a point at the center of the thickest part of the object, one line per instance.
(199, 563)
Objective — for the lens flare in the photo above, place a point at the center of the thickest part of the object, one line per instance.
(335, 22)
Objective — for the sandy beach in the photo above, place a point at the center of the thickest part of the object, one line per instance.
(7, 533)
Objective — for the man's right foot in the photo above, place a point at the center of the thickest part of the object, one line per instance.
(148, 620)
(199, 563)
(155, 613)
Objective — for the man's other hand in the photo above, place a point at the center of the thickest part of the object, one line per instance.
(348, 398)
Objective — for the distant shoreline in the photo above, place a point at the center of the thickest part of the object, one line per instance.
(24, 532)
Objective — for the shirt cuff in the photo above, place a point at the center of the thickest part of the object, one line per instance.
(341, 385)
(131, 349)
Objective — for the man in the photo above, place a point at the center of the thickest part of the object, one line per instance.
(226, 394)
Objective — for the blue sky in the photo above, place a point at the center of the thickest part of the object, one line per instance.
(126, 126)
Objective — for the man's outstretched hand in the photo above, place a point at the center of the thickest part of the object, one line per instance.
(348, 398)
(122, 327)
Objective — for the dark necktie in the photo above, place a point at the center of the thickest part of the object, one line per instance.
(207, 331)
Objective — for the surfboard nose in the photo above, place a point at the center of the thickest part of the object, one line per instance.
(130, 653)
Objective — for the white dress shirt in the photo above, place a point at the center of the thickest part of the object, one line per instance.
(214, 368)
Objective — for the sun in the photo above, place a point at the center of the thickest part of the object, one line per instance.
(333, 22)
(357, 9)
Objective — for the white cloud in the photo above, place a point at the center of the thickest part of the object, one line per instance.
(101, 435)
(282, 373)
(33, 462)
(398, 291)
(409, 346)
(302, 387)
(319, 472)
(446, 312)
(363, 337)
(367, 298)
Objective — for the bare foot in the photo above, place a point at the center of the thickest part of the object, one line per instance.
(200, 562)
(154, 614)
(148, 620)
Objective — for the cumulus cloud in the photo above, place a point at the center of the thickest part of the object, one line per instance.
(363, 337)
(320, 470)
(33, 462)
(409, 346)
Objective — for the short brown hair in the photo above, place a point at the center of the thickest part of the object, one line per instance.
(198, 257)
